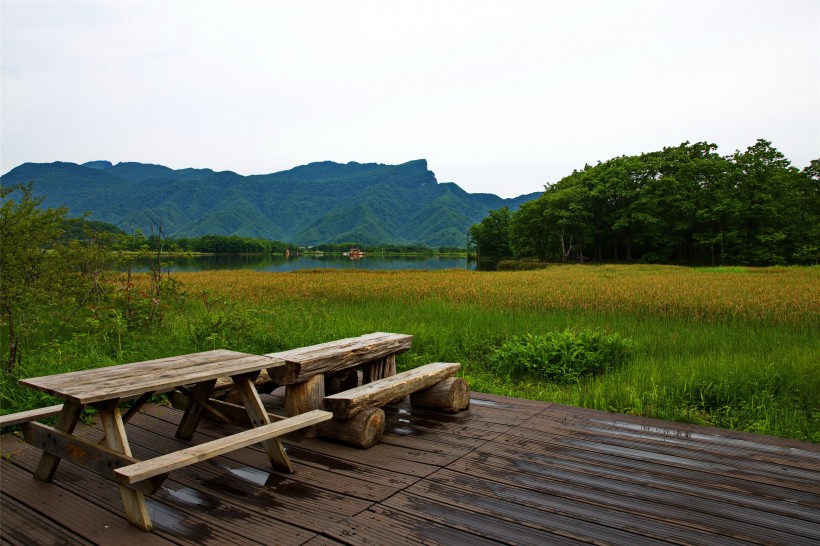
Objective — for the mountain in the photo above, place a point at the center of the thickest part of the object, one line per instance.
(325, 202)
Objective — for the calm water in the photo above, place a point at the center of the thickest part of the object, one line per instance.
(280, 263)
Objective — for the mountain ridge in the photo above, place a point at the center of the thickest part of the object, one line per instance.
(321, 202)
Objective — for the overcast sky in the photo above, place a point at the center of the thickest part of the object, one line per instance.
(500, 97)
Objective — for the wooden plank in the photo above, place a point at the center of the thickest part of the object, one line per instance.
(134, 501)
(582, 471)
(761, 448)
(394, 528)
(30, 415)
(459, 513)
(259, 417)
(354, 477)
(96, 458)
(23, 526)
(68, 419)
(537, 510)
(536, 483)
(379, 369)
(69, 505)
(137, 405)
(166, 463)
(204, 403)
(629, 500)
(197, 510)
(305, 362)
(238, 415)
(193, 413)
(250, 484)
(129, 380)
(345, 405)
(579, 437)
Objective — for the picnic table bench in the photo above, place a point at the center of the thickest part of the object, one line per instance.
(326, 374)
(193, 375)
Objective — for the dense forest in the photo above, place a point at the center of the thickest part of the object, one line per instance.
(685, 204)
(115, 239)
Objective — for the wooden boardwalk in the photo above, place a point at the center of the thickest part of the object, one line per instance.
(506, 471)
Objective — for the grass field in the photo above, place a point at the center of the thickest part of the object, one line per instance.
(732, 347)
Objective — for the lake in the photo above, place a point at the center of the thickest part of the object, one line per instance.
(280, 263)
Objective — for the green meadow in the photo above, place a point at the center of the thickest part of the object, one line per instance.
(736, 348)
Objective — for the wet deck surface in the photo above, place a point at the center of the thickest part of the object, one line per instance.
(506, 471)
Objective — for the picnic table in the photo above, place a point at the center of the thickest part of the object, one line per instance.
(194, 375)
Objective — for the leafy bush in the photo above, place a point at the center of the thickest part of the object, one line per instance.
(562, 357)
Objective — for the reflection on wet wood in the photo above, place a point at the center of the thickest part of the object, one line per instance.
(506, 470)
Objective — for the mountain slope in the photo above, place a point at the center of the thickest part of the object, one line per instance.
(324, 202)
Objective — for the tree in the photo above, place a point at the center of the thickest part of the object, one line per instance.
(765, 183)
(492, 236)
(30, 269)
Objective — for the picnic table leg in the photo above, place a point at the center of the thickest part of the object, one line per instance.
(134, 501)
(193, 414)
(69, 416)
(259, 416)
(304, 397)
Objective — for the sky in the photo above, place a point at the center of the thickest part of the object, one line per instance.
(500, 97)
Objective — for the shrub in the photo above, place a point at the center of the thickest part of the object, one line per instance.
(561, 357)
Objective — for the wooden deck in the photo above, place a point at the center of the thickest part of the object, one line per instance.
(505, 471)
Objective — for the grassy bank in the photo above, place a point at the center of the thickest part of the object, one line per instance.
(736, 348)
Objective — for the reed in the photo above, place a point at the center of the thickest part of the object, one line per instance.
(735, 348)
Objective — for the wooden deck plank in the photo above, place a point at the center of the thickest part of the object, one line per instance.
(20, 525)
(503, 471)
(100, 523)
(658, 452)
(543, 506)
(186, 513)
(389, 527)
(621, 506)
(756, 448)
(507, 529)
(773, 500)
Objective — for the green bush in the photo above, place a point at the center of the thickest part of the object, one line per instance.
(561, 357)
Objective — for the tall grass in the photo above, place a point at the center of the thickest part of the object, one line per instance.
(736, 349)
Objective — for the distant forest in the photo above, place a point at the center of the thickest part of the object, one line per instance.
(113, 238)
(683, 204)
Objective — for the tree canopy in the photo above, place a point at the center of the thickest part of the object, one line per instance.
(683, 204)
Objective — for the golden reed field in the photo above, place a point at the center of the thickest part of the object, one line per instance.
(779, 294)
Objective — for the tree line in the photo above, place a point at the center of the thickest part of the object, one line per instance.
(685, 204)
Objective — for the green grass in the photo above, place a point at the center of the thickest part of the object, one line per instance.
(752, 375)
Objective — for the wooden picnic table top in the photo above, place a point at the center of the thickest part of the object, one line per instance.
(128, 380)
(305, 362)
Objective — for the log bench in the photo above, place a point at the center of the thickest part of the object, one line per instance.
(358, 419)
(310, 373)
(305, 369)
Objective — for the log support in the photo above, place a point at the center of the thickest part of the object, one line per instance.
(450, 395)
(363, 431)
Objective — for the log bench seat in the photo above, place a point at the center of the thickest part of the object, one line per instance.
(358, 419)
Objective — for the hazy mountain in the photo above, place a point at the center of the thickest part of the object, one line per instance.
(324, 202)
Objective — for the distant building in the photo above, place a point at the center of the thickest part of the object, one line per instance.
(355, 254)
